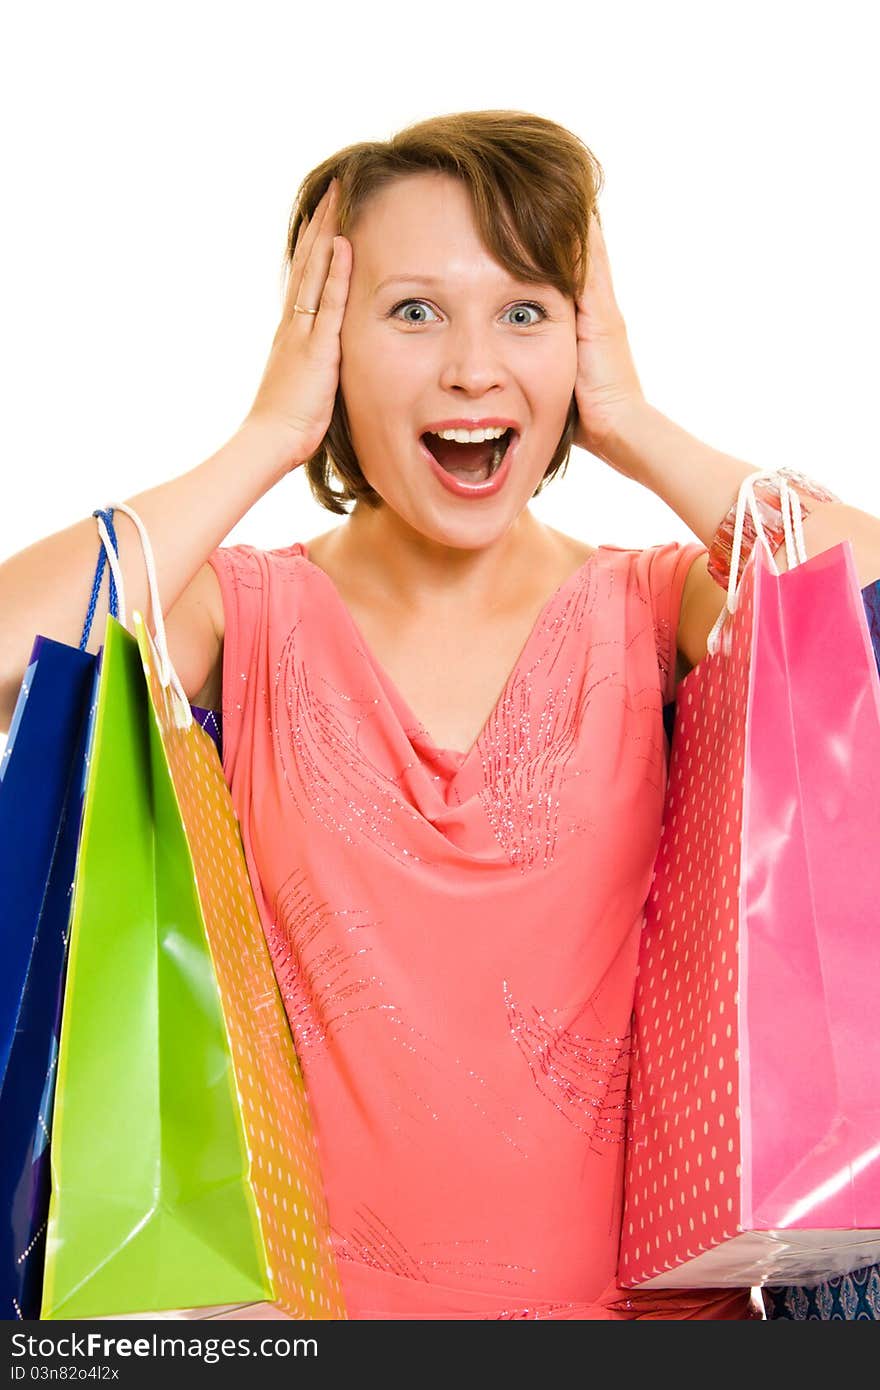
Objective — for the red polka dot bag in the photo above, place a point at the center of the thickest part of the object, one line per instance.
(754, 1126)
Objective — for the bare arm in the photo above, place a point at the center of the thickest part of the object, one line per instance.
(45, 588)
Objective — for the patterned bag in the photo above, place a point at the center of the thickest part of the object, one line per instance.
(754, 1110)
(184, 1168)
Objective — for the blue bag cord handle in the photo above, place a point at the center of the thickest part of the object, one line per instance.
(107, 518)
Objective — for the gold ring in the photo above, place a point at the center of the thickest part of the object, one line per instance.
(298, 309)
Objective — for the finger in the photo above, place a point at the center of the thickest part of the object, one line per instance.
(317, 267)
(598, 287)
(334, 296)
(314, 223)
(308, 230)
(287, 272)
(308, 234)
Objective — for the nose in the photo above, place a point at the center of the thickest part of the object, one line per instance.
(472, 360)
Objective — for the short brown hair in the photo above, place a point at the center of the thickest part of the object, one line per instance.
(533, 185)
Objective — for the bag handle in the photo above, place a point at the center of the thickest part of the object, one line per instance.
(109, 550)
(168, 677)
(795, 546)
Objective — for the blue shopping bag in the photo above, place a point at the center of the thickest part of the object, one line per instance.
(212, 722)
(871, 600)
(41, 787)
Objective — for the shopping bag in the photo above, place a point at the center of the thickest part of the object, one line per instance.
(754, 1135)
(39, 823)
(185, 1171)
(211, 721)
(284, 1162)
(871, 600)
(41, 781)
(852, 1297)
(34, 778)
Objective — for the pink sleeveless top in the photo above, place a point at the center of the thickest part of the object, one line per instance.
(455, 935)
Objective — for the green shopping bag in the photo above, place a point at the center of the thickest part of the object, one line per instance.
(172, 1031)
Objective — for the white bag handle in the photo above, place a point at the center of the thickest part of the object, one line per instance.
(167, 675)
(795, 546)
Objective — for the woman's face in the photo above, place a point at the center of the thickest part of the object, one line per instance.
(454, 339)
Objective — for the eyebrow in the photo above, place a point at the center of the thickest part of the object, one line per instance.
(408, 278)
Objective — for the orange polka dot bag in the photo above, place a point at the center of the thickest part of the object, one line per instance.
(754, 1127)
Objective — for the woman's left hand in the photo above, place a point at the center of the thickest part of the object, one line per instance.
(607, 384)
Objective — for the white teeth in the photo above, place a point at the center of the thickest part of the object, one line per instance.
(470, 436)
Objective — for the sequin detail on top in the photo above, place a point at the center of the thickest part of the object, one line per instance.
(546, 1310)
(320, 978)
(327, 987)
(469, 1172)
(584, 1078)
(664, 649)
(527, 745)
(327, 773)
(372, 1242)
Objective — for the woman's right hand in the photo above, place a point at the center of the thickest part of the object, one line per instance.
(298, 389)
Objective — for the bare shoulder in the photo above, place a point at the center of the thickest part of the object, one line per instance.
(320, 548)
(195, 627)
(572, 552)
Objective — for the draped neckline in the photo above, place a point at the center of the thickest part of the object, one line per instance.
(453, 755)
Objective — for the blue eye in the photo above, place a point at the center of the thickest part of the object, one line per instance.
(523, 304)
(403, 304)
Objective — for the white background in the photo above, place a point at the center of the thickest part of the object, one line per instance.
(151, 155)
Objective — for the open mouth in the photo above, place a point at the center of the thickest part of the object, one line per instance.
(472, 463)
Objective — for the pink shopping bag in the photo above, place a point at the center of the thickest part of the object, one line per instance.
(754, 1153)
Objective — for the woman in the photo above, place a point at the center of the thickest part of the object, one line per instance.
(442, 719)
